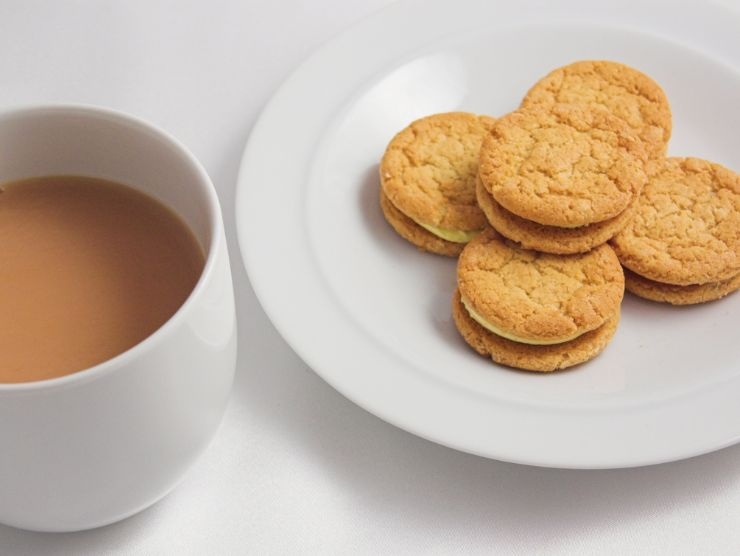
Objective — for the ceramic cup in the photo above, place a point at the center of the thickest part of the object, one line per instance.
(96, 446)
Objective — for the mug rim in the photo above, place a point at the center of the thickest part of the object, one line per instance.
(215, 225)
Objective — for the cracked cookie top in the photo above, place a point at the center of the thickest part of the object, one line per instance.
(569, 166)
(429, 170)
(686, 228)
(538, 296)
(627, 93)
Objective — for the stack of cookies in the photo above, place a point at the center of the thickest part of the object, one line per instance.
(543, 204)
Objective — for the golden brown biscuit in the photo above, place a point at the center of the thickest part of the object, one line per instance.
(533, 297)
(686, 227)
(529, 357)
(627, 93)
(549, 239)
(569, 166)
(412, 232)
(429, 169)
(678, 295)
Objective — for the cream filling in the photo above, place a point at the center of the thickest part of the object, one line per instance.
(455, 236)
(477, 317)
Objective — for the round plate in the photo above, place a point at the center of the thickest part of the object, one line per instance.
(371, 314)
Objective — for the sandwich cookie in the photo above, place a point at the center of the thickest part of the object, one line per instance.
(427, 178)
(685, 233)
(627, 93)
(536, 311)
(568, 166)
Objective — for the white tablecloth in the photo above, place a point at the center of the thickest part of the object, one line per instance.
(295, 467)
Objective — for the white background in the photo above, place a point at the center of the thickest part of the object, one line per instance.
(295, 467)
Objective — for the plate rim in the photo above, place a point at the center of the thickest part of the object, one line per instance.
(261, 280)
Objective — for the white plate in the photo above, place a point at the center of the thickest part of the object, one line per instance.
(371, 314)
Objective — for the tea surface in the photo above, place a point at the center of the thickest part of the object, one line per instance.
(88, 269)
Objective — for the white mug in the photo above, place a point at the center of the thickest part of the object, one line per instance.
(99, 445)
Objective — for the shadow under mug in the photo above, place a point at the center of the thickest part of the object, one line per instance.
(99, 445)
